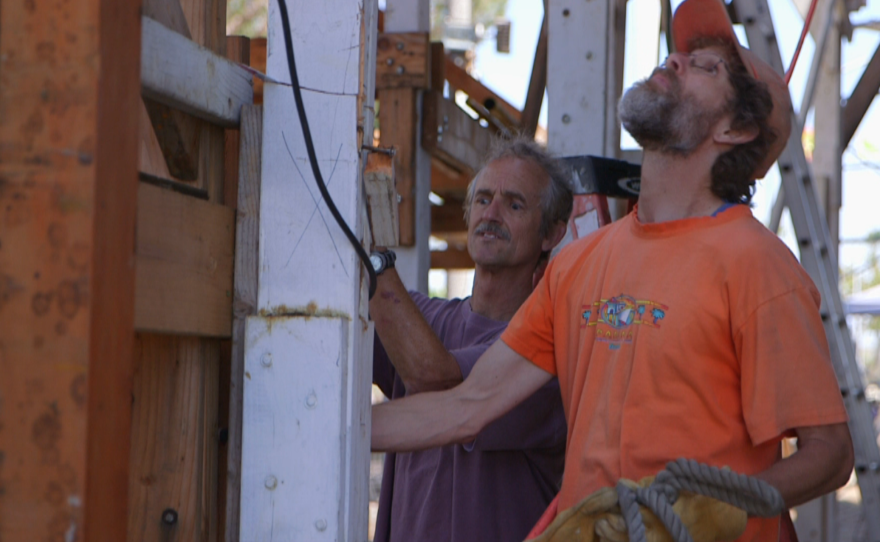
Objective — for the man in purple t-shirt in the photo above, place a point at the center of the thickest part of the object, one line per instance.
(495, 487)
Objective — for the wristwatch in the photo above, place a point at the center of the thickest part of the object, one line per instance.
(382, 260)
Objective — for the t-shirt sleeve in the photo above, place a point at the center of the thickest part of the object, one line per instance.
(530, 332)
(787, 377)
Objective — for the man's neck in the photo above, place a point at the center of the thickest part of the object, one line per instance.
(675, 187)
(498, 293)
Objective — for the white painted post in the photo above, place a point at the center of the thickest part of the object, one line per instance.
(306, 420)
(577, 65)
(413, 263)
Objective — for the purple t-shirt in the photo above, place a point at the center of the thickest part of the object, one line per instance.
(494, 488)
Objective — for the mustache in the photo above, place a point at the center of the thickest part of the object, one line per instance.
(493, 228)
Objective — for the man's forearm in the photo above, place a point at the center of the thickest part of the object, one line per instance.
(822, 464)
(421, 360)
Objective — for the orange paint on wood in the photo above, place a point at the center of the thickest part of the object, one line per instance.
(68, 157)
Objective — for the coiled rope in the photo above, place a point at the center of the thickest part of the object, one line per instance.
(756, 497)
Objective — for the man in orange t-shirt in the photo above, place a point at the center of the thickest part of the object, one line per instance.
(686, 329)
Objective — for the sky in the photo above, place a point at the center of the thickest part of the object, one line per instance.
(508, 75)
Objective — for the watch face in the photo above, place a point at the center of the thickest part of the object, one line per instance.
(376, 260)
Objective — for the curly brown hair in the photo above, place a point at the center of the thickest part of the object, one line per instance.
(733, 176)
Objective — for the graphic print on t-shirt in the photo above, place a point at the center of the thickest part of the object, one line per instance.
(615, 316)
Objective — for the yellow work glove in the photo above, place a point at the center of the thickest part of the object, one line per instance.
(578, 522)
(707, 520)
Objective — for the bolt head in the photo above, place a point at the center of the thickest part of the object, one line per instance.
(400, 70)
(271, 482)
(399, 46)
(266, 359)
(169, 516)
(321, 525)
(389, 61)
(566, 119)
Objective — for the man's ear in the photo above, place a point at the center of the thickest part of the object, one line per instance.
(726, 135)
(556, 233)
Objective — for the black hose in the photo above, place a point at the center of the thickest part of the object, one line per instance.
(310, 148)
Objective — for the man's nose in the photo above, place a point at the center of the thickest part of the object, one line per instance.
(493, 211)
(677, 62)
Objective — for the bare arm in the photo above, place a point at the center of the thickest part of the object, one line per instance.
(421, 360)
(500, 380)
(822, 463)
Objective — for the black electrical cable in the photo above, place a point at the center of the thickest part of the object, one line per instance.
(310, 148)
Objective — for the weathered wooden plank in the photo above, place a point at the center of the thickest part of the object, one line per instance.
(177, 132)
(403, 60)
(461, 80)
(451, 258)
(537, 82)
(177, 72)
(381, 199)
(448, 181)
(438, 66)
(184, 255)
(68, 156)
(247, 236)
(398, 120)
(448, 218)
(258, 62)
(450, 134)
(150, 158)
(174, 448)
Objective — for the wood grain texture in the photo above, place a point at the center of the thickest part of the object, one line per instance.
(68, 155)
(461, 80)
(398, 121)
(258, 62)
(177, 72)
(381, 199)
(449, 134)
(403, 60)
(174, 448)
(184, 264)
(169, 13)
(448, 218)
(245, 301)
(447, 181)
(451, 258)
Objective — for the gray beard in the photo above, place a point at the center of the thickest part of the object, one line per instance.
(667, 123)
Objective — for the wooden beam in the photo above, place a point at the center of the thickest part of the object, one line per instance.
(438, 66)
(461, 80)
(448, 218)
(451, 258)
(68, 177)
(447, 181)
(245, 300)
(860, 99)
(177, 132)
(258, 62)
(381, 199)
(403, 60)
(398, 120)
(184, 261)
(537, 83)
(452, 135)
(179, 73)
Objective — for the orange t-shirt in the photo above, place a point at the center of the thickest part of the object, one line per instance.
(697, 338)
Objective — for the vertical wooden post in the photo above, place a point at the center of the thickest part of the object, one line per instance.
(68, 182)
(306, 421)
(414, 163)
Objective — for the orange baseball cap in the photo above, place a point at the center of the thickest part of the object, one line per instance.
(709, 18)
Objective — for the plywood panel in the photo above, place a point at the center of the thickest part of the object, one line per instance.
(173, 480)
(184, 264)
